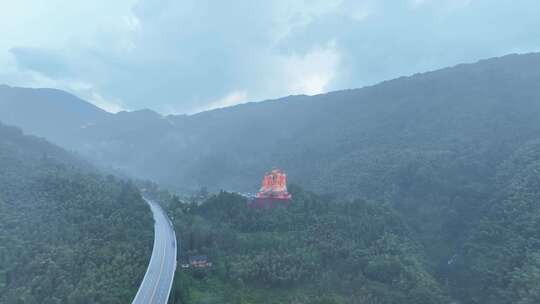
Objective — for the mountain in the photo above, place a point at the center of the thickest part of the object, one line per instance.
(346, 142)
(453, 151)
(47, 112)
(67, 233)
(313, 251)
(405, 142)
(499, 262)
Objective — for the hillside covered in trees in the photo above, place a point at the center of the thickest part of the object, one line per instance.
(315, 251)
(451, 155)
(323, 250)
(353, 142)
(454, 124)
(499, 262)
(67, 234)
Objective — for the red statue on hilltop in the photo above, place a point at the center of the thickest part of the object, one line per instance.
(273, 191)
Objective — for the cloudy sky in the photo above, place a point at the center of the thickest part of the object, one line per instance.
(184, 56)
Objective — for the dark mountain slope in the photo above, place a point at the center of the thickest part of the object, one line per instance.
(430, 145)
(51, 113)
(329, 141)
(417, 143)
(348, 142)
(67, 234)
(344, 142)
(314, 251)
(500, 261)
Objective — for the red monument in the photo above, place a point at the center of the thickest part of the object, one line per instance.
(273, 191)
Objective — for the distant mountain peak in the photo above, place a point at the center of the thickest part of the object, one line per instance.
(143, 112)
(51, 113)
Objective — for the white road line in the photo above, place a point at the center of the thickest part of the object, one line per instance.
(159, 275)
(148, 292)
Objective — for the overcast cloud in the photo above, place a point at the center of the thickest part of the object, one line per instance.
(179, 56)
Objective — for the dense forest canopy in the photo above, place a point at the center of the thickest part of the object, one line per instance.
(315, 251)
(499, 262)
(67, 234)
(353, 142)
(325, 250)
(434, 177)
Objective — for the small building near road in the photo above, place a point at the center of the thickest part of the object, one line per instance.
(199, 261)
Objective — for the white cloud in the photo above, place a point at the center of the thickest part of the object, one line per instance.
(59, 23)
(176, 56)
(69, 29)
(80, 88)
(444, 5)
(233, 98)
(131, 22)
(109, 105)
(358, 10)
(313, 72)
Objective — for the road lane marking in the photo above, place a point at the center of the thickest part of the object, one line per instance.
(159, 275)
(152, 279)
(149, 270)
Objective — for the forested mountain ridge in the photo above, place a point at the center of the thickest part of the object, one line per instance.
(347, 142)
(500, 260)
(67, 234)
(49, 113)
(35, 148)
(314, 251)
(452, 151)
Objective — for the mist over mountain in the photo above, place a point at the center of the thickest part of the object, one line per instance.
(47, 112)
(270, 152)
(454, 152)
(345, 142)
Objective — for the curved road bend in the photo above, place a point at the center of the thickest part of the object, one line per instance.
(156, 285)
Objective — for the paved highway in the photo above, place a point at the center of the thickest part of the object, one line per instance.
(156, 285)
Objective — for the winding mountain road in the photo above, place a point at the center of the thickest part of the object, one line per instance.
(156, 285)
